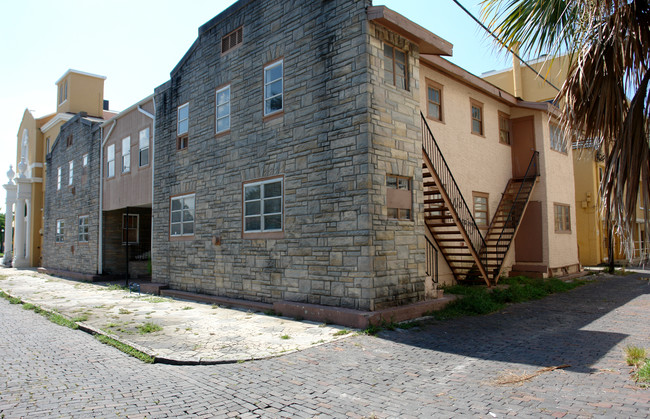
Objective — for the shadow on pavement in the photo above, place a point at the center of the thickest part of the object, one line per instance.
(576, 328)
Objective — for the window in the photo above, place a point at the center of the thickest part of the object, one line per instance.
(63, 92)
(395, 67)
(70, 172)
(263, 206)
(83, 229)
(68, 140)
(223, 109)
(110, 161)
(434, 101)
(181, 216)
(130, 228)
(480, 208)
(231, 40)
(558, 142)
(84, 164)
(182, 126)
(58, 178)
(60, 231)
(273, 88)
(126, 154)
(398, 197)
(562, 218)
(143, 155)
(477, 117)
(504, 128)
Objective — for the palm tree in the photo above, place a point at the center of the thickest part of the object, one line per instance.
(609, 45)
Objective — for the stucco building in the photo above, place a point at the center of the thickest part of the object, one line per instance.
(588, 162)
(293, 163)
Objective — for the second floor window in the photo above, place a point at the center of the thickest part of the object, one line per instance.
(434, 102)
(70, 172)
(558, 142)
(143, 147)
(395, 71)
(181, 216)
(60, 231)
(504, 129)
(273, 80)
(58, 178)
(126, 155)
(110, 160)
(477, 118)
(182, 126)
(223, 109)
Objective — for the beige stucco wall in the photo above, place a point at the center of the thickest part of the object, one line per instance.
(132, 188)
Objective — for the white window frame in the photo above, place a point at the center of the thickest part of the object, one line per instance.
(126, 154)
(143, 146)
(70, 172)
(58, 178)
(83, 234)
(262, 199)
(184, 106)
(267, 83)
(59, 236)
(182, 221)
(223, 107)
(84, 160)
(110, 161)
(557, 138)
(136, 228)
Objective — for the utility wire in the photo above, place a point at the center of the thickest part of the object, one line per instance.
(504, 45)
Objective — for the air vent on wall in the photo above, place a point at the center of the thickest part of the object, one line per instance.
(231, 40)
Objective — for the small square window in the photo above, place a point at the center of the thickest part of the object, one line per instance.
(263, 206)
(231, 40)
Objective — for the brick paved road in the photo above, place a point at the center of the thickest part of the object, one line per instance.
(447, 369)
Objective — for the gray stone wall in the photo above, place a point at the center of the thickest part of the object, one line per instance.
(337, 247)
(70, 202)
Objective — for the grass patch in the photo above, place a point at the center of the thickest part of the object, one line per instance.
(341, 332)
(479, 300)
(81, 318)
(129, 350)
(156, 300)
(637, 358)
(285, 337)
(188, 308)
(117, 287)
(124, 311)
(149, 327)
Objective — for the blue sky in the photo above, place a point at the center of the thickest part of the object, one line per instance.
(135, 44)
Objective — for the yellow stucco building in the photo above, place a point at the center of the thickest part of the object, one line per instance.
(588, 164)
(77, 91)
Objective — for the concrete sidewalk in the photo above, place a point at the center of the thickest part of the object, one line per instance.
(191, 332)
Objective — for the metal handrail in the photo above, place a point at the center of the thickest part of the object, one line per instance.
(441, 167)
(534, 162)
(431, 265)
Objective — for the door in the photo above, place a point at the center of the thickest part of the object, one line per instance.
(523, 144)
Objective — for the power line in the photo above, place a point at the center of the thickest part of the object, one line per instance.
(504, 45)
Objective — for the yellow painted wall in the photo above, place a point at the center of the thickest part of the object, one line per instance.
(85, 94)
(587, 204)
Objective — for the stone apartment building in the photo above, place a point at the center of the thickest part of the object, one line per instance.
(71, 209)
(299, 157)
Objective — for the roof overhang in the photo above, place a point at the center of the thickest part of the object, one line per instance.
(60, 117)
(428, 42)
(83, 73)
(127, 110)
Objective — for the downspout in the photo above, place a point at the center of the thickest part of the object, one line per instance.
(100, 248)
(153, 172)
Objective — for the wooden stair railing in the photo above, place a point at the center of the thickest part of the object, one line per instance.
(446, 213)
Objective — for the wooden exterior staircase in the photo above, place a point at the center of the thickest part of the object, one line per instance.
(449, 219)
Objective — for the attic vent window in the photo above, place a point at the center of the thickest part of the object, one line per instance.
(231, 40)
